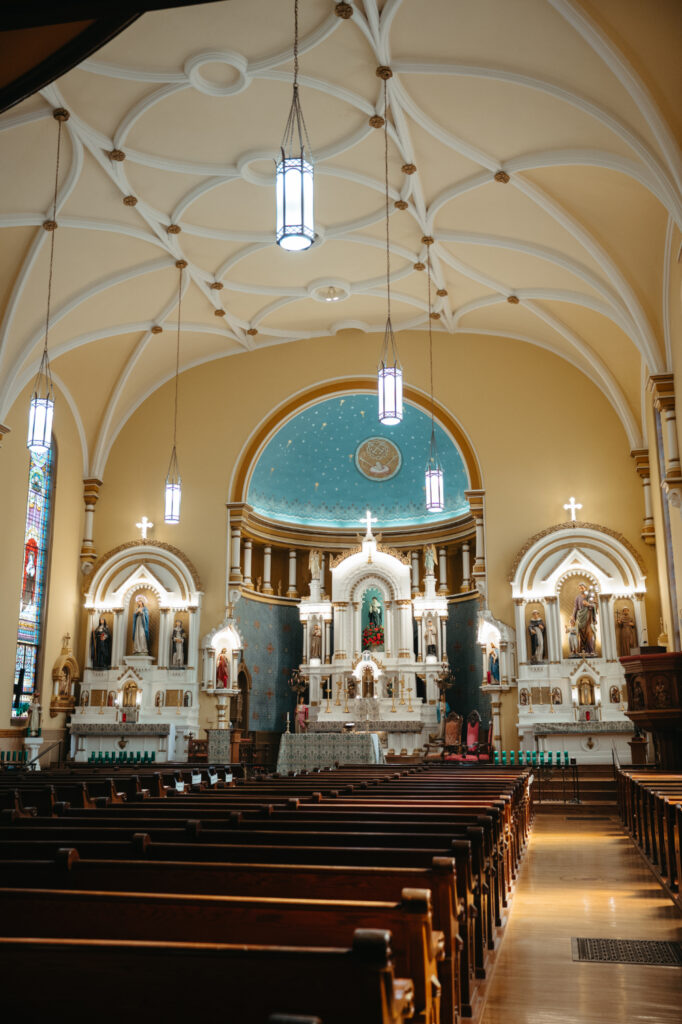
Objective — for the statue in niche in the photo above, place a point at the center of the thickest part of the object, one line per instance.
(494, 664)
(661, 692)
(141, 643)
(314, 564)
(178, 639)
(34, 712)
(556, 695)
(524, 698)
(158, 699)
(64, 682)
(111, 699)
(187, 700)
(222, 672)
(536, 630)
(429, 559)
(430, 638)
(614, 695)
(586, 692)
(85, 699)
(375, 614)
(627, 632)
(100, 645)
(585, 615)
(316, 641)
(259, 584)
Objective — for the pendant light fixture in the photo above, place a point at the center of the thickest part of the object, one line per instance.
(390, 373)
(173, 479)
(42, 402)
(435, 500)
(294, 184)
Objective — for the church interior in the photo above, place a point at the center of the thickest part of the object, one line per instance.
(342, 505)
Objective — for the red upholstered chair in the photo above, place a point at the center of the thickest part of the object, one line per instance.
(453, 735)
(484, 743)
(471, 747)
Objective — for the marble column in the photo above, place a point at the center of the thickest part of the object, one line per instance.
(420, 640)
(327, 641)
(292, 591)
(476, 501)
(496, 708)
(415, 572)
(466, 568)
(662, 386)
(305, 641)
(606, 627)
(442, 572)
(405, 613)
(641, 457)
(267, 570)
(356, 630)
(248, 550)
(236, 567)
(118, 646)
(90, 495)
(553, 624)
(322, 570)
(443, 639)
(521, 638)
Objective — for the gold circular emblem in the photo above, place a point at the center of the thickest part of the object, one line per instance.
(378, 459)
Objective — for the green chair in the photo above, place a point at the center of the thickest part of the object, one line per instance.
(558, 759)
(511, 758)
(497, 758)
(566, 759)
(534, 759)
(504, 758)
(153, 755)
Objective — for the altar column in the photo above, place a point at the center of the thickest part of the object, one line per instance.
(662, 386)
(327, 641)
(118, 647)
(554, 628)
(322, 564)
(292, 591)
(267, 570)
(405, 612)
(443, 638)
(90, 495)
(420, 642)
(415, 573)
(607, 635)
(496, 708)
(356, 632)
(248, 550)
(164, 635)
(442, 572)
(305, 641)
(389, 625)
(236, 568)
(466, 568)
(521, 638)
(476, 501)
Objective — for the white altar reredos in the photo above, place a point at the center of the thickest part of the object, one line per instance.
(571, 685)
(374, 678)
(132, 699)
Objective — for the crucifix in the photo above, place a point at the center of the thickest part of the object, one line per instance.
(573, 505)
(143, 526)
(369, 519)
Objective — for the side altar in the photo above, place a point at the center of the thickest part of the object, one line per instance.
(372, 653)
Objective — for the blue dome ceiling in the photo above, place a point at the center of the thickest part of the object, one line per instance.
(331, 462)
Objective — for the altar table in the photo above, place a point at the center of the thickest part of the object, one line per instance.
(304, 751)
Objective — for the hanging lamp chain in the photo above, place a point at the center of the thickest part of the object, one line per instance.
(177, 360)
(388, 249)
(433, 450)
(44, 369)
(295, 128)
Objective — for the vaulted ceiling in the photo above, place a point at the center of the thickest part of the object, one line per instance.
(577, 103)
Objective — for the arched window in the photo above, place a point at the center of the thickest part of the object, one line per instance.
(33, 578)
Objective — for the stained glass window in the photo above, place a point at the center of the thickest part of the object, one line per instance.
(33, 578)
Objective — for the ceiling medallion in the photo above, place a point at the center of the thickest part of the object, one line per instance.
(427, 240)
(409, 168)
(376, 121)
(344, 11)
(442, 292)
(329, 290)
(218, 312)
(513, 299)
(502, 177)
(157, 329)
(217, 286)
(117, 154)
(435, 316)
(130, 200)
(252, 331)
(181, 264)
(401, 204)
(377, 458)
(419, 265)
(173, 229)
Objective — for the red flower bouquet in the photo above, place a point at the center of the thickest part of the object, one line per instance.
(372, 636)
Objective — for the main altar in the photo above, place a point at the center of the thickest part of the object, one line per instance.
(372, 653)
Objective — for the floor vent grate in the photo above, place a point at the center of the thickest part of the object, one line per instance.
(628, 951)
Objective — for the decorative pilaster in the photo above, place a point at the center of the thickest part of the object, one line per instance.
(322, 569)
(496, 707)
(442, 572)
(662, 386)
(90, 495)
(641, 457)
(292, 591)
(466, 568)
(236, 567)
(248, 551)
(267, 570)
(327, 641)
(305, 641)
(553, 634)
(476, 501)
(521, 638)
(420, 641)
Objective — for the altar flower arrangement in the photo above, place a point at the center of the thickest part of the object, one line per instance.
(372, 636)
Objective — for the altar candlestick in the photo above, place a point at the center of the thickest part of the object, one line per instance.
(337, 702)
(402, 693)
(409, 699)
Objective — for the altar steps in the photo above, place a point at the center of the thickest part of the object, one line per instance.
(596, 792)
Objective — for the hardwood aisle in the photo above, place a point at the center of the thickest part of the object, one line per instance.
(583, 879)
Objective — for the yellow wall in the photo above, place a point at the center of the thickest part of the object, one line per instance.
(541, 429)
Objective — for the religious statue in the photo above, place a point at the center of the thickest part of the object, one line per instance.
(316, 641)
(556, 695)
(536, 630)
(111, 699)
(524, 698)
(222, 672)
(429, 558)
(573, 642)
(100, 645)
(28, 589)
(301, 717)
(493, 664)
(314, 564)
(34, 716)
(187, 699)
(585, 615)
(141, 626)
(85, 699)
(178, 638)
(374, 612)
(614, 695)
(627, 632)
(259, 584)
(586, 692)
(430, 638)
(158, 699)
(64, 682)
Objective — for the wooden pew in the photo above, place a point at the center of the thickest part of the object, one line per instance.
(116, 978)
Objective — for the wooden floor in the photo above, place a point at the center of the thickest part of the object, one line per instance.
(583, 879)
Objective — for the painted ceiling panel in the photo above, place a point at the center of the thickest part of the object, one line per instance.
(331, 462)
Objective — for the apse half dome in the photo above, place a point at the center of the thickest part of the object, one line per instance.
(332, 461)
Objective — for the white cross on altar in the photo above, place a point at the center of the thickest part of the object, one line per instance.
(369, 519)
(143, 526)
(573, 505)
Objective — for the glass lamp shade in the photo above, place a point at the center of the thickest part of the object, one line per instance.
(435, 501)
(172, 503)
(40, 423)
(390, 382)
(295, 203)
